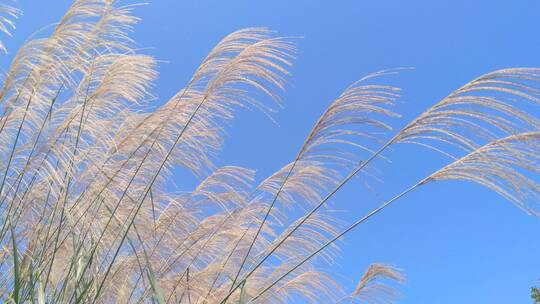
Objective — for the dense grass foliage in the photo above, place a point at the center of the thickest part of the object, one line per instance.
(88, 210)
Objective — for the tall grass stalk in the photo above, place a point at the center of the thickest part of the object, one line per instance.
(88, 212)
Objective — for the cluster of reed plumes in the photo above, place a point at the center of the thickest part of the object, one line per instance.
(89, 212)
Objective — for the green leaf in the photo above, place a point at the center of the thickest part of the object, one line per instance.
(16, 267)
(156, 290)
(41, 293)
(243, 295)
(86, 289)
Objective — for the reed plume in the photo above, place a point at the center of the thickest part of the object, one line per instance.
(89, 214)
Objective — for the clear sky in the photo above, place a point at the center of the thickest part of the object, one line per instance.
(457, 242)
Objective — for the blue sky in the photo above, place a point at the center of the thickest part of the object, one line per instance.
(457, 242)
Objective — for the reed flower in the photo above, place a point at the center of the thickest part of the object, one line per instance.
(88, 213)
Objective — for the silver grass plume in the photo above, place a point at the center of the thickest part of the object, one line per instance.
(88, 212)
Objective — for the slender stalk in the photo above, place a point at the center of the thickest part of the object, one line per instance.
(162, 165)
(17, 136)
(225, 263)
(194, 259)
(160, 129)
(274, 199)
(68, 177)
(146, 192)
(166, 267)
(187, 287)
(261, 225)
(350, 228)
(307, 216)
